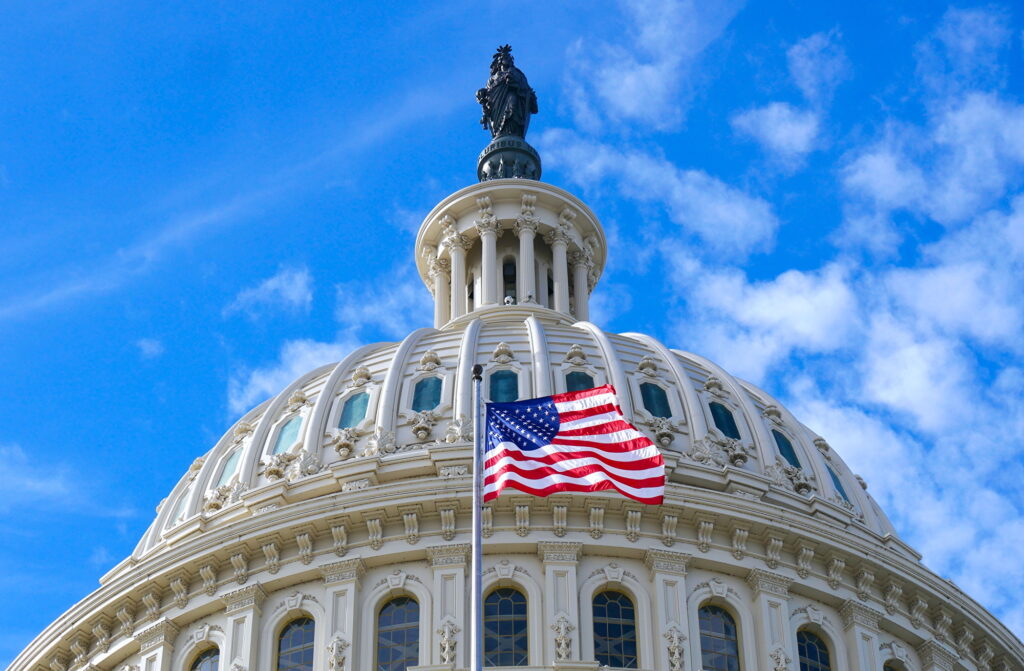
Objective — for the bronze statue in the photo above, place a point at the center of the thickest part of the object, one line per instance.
(507, 100)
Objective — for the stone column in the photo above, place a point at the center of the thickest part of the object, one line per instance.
(559, 241)
(581, 265)
(156, 645)
(457, 245)
(342, 590)
(242, 608)
(561, 601)
(668, 574)
(439, 271)
(450, 613)
(774, 640)
(490, 231)
(526, 229)
(542, 285)
(860, 625)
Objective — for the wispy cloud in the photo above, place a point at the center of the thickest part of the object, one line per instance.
(782, 129)
(149, 348)
(725, 218)
(818, 64)
(646, 78)
(289, 290)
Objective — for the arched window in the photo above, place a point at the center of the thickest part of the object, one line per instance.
(295, 646)
(288, 434)
(504, 386)
(354, 410)
(718, 643)
(505, 635)
(812, 652)
(615, 630)
(207, 661)
(838, 484)
(229, 467)
(655, 400)
(577, 381)
(724, 420)
(426, 395)
(891, 666)
(508, 277)
(398, 635)
(786, 449)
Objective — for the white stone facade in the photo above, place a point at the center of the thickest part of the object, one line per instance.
(292, 514)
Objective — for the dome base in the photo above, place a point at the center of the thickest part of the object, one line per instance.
(508, 156)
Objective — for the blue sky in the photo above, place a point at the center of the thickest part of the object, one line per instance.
(200, 201)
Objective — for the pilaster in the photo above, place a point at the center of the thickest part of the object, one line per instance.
(668, 573)
(156, 645)
(342, 581)
(771, 618)
(243, 610)
(936, 657)
(448, 563)
(561, 603)
(860, 625)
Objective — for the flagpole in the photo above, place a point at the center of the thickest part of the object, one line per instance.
(476, 568)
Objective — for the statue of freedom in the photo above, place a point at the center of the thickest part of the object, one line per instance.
(507, 100)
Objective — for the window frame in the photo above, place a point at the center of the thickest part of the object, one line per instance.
(824, 644)
(605, 589)
(729, 610)
(709, 401)
(376, 627)
(343, 395)
(526, 623)
(520, 383)
(278, 429)
(287, 621)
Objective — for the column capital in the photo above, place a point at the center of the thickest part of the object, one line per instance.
(559, 551)
(525, 224)
(856, 613)
(449, 555)
(247, 597)
(666, 561)
(161, 632)
(341, 571)
(582, 257)
(439, 267)
(768, 583)
(491, 225)
(557, 236)
(452, 239)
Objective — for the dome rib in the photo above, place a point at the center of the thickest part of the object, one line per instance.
(387, 413)
(608, 353)
(464, 373)
(313, 441)
(541, 357)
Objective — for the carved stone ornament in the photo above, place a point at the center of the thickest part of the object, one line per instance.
(772, 414)
(216, 499)
(382, 442)
(275, 465)
(782, 474)
(342, 441)
(715, 449)
(563, 641)
(451, 236)
(429, 361)
(503, 353)
(423, 423)
(242, 431)
(194, 469)
(664, 430)
(360, 376)
(298, 400)
(780, 660)
(576, 356)
(675, 639)
(460, 430)
(714, 386)
(336, 653)
(448, 641)
(648, 366)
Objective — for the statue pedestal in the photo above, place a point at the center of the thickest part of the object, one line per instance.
(508, 156)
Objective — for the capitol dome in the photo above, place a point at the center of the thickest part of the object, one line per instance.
(329, 527)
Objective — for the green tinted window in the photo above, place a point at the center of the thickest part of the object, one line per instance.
(288, 435)
(229, 468)
(724, 420)
(655, 400)
(838, 484)
(427, 394)
(504, 386)
(577, 381)
(786, 449)
(354, 410)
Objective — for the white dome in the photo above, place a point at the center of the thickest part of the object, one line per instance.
(305, 512)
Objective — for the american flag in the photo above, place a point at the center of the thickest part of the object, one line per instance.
(573, 442)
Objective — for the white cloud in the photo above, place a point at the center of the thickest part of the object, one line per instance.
(782, 129)
(149, 348)
(964, 51)
(884, 176)
(725, 218)
(645, 78)
(817, 65)
(248, 387)
(289, 290)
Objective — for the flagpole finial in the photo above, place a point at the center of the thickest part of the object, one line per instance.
(478, 372)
